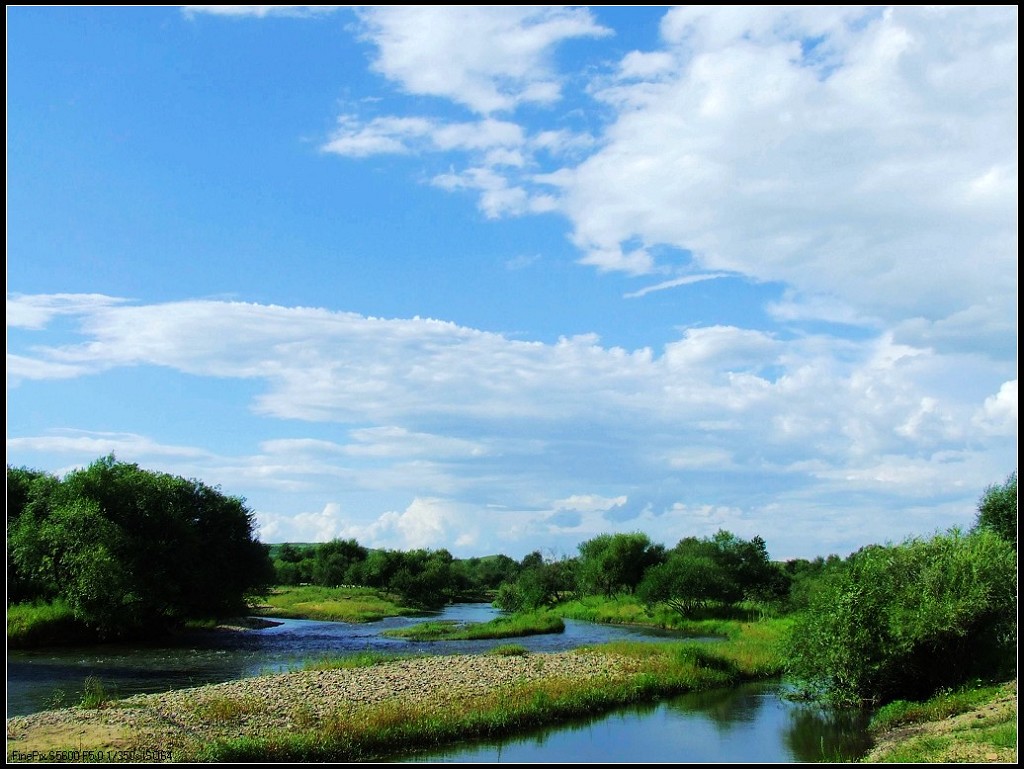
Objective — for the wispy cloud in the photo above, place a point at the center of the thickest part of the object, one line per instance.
(676, 282)
(260, 11)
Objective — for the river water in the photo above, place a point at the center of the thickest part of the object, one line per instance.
(741, 724)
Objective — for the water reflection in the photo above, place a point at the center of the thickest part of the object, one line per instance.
(753, 723)
(816, 734)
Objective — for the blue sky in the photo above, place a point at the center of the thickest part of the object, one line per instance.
(500, 279)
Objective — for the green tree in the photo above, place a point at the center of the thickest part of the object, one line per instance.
(997, 510)
(611, 563)
(337, 562)
(136, 551)
(540, 583)
(902, 621)
(688, 581)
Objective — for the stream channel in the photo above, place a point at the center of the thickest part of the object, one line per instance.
(750, 723)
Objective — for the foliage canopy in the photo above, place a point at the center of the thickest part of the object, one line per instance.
(997, 510)
(131, 551)
(903, 621)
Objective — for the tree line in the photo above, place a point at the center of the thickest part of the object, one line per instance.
(694, 575)
(134, 552)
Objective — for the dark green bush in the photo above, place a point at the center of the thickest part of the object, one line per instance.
(997, 510)
(903, 621)
(131, 551)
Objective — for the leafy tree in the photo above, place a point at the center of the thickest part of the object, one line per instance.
(900, 622)
(997, 510)
(132, 550)
(337, 562)
(28, 504)
(722, 569)
(540, 583)
(748, 565)
(610, 563)
(426, 578)
(686, 582)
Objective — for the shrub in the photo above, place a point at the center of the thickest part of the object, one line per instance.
(904, 621)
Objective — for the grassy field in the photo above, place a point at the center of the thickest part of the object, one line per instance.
(514, 626)
(331, 604)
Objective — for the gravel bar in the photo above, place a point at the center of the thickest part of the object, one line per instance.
(160, 726)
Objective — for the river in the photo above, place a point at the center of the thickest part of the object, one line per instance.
(741, 724)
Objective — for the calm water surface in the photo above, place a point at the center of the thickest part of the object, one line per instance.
(752, 723)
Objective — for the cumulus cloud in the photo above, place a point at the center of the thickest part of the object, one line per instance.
(836, 150)
(489, 59)
(323, 526)
(998, 415)
(864, 158)
(430, 523)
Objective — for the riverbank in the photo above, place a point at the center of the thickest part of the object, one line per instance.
(951, 729)
(369, 713)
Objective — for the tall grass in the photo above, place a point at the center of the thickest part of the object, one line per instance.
(332, 604)
(44, 624)
(718, 621)
(512, 626)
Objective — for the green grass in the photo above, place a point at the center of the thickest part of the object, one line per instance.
(332, 604)
(44, 624)
(930, 732)
(94, 695)
(513, 626)
(626, 610)
(509, 650)
(943, 705)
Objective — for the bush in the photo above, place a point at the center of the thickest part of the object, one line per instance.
(130, 551)
(901, 622)
(997, 510)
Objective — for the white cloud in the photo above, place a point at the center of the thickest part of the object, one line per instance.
(470, 422)
(851, 168)
(384, 135)
(260, 11)
(36, 312)
(318, 365)
(589, 503)
(685, 280)
(21, 368)
(97, 444)
(324, 526)
(399, 442)
(489, 59)
(998, 415)
(430, 523)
